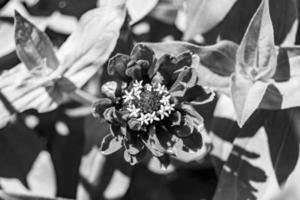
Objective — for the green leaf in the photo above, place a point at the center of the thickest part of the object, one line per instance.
(110, 144)
(33, 46)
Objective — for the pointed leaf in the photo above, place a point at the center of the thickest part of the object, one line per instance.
(246, 97)
(33, 47)
(256, 55)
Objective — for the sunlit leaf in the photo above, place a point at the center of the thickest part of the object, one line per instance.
(203, 15)
(256, 62)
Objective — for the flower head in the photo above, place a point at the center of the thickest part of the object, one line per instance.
(154, 112)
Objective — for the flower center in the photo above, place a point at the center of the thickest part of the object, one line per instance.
(148, 103)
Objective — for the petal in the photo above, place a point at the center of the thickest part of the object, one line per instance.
(135, 159)
(197, 95)
(168, 65)
(109, 89)
(153, 144)
(164, 160)
(184, 59)
(193, 142)
(186, 127)
(142, 52)
(117, 66)
(113, 116)
(134, 124)
(100, 106)
(115, 130)
(165, 138)
(134, 72)
(133, 144)
(110, 144)
(185, 80)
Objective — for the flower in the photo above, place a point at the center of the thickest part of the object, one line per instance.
(154, 112)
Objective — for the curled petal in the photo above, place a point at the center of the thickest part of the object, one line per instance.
(184, 59)
(185, 128)
(186, 79)
(112, 116)
(100, 107)
(193, 142)
(175, 119)
(117, 66)
(197, 95)
(110, 144)
(134, 124)
(135, 72)
(168, 66)
(142, 52)
(109, 89)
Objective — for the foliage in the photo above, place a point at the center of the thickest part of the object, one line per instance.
(229, 89)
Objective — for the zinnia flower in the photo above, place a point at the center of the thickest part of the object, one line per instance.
(150, 106)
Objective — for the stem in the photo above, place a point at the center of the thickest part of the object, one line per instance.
(83, 97)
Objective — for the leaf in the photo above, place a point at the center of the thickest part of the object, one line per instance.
(83, 52)
(32, 45)
(110, 144)
(256, 55)
(218, 58)
(87, 49)
(256, 62)
(204, 15)
(284, 14)
(246, 97)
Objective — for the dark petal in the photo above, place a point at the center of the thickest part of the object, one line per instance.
(134, 145)
(134, 124)
(164, 160)
(110, 144)
(153, 144)
(186, 127)
(165, 66)
(193, 142)
(184, 59)
(134, 72)
(186, 80)
(175, 119)
(142, 52)
(168, 66)
(100, 106)
(134, 159)
(165, 138)
(115, 130)
(197, 96)
(117, 66)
